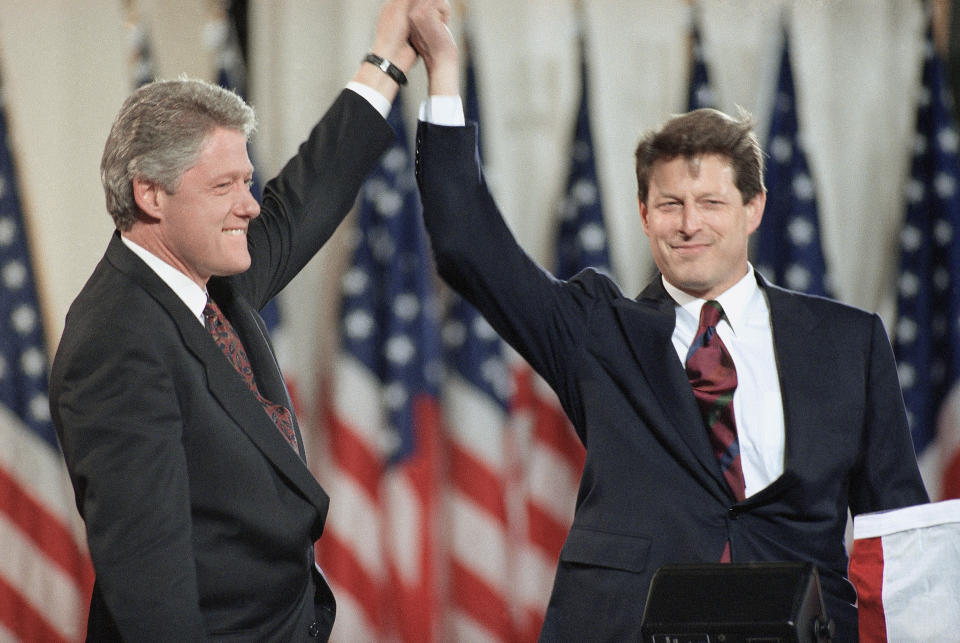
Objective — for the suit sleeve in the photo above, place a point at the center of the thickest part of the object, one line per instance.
(309, 198)
(543, 318)
(137, 517)
(887, 476)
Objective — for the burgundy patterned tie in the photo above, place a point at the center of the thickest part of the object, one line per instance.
(228, 341)
(713, 377)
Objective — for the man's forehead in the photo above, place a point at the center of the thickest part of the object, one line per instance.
(223, 146)
(694, 164)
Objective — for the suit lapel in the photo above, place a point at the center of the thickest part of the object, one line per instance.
(800, 361)
(225, 384)
(647, 325)
(256, 341)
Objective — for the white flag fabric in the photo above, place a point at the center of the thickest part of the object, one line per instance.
(906, 568)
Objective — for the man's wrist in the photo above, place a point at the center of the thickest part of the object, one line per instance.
(387, 67)
(374, 77)
(443, 78)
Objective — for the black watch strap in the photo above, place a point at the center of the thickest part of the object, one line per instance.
(387, 67)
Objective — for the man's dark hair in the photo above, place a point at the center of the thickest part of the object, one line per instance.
(704, 131)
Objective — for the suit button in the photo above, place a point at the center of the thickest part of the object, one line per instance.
(314, 630)
(732, 513)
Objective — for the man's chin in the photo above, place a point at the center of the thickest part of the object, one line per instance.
(232, 269)
(689, 281)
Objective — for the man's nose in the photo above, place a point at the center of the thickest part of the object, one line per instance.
(249, 206)
(690, 218)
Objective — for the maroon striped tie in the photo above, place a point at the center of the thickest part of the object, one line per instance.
(228, 341)
(713, 377)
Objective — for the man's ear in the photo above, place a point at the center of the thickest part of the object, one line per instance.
(755, 211)
(643, 213)
(147, 197)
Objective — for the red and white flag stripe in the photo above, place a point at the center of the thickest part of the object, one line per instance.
(378, 550)
(552, 460)
(477, 517)
(45, 571)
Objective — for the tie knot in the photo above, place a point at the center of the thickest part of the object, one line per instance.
(210, 314)
(711, 313)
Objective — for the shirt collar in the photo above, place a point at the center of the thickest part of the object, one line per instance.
(735, 300)
(192, 295)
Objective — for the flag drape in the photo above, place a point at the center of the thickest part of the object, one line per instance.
(700, 93)
(480, 544)
(927, 336)
(379, 547)
(45, 571)
(787, 246)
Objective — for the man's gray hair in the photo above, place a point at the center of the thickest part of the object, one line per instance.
(158, 135)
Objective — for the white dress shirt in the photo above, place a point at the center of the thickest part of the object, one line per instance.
(442, 110)
(185, 288)
(757, 402)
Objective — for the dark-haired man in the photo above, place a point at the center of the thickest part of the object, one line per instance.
(724, 418)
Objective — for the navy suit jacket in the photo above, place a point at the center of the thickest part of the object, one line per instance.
(200, 517)
(651, 491)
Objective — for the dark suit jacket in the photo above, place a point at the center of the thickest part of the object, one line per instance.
(200, 517)
(651, 491)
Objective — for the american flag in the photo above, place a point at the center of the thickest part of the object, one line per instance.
(45, 571)
(582, 237)
(379, 549)
(476, 393)
(555, 455)
(141, 53)
(787, 246)
(221, 37)
(701, 91)
(479, 546)
(927, 336)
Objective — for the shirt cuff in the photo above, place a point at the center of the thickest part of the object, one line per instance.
(375, 98)
(443, 110)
